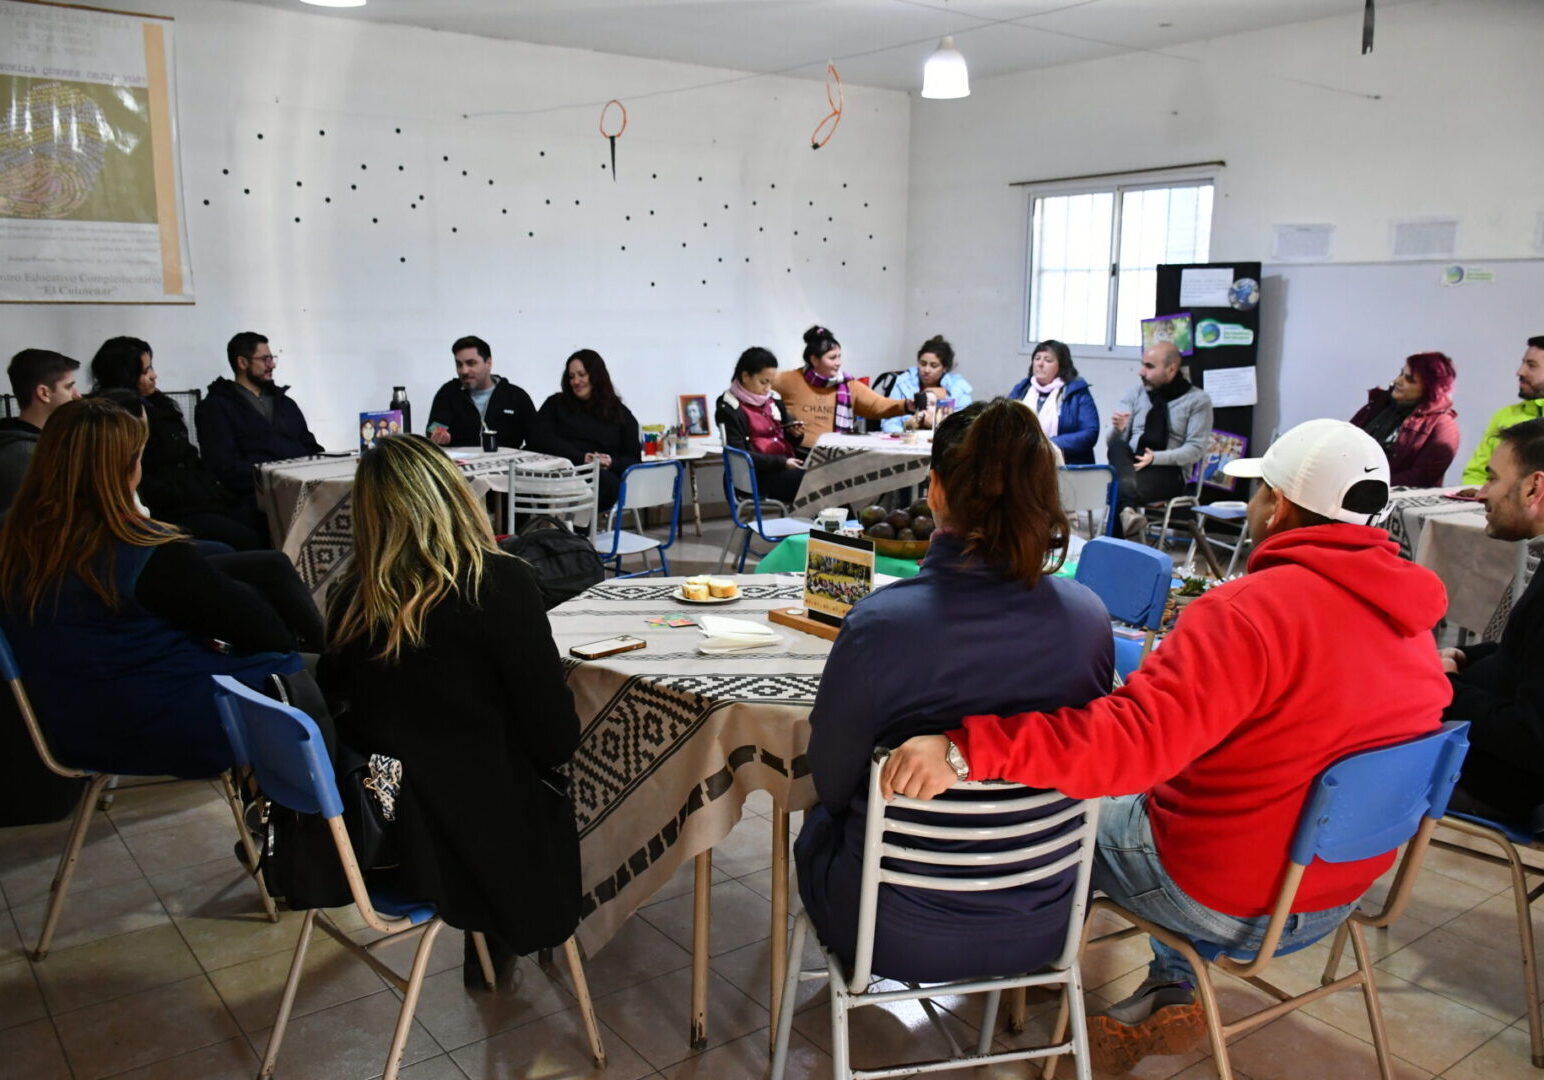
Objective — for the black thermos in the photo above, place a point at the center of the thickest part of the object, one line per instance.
(399, 401)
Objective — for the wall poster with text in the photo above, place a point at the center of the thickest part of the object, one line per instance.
(90, 194)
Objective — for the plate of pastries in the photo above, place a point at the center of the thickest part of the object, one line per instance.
(707, 590)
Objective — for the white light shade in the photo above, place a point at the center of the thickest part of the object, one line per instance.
(334, 3)
(944, 75)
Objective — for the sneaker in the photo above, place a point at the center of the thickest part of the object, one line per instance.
(1160, 1018)
(1133, 523)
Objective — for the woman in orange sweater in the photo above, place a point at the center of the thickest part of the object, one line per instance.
(824, 397)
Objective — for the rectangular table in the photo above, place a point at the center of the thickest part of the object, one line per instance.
(672, 742)
(1448, 537)
(307, 502)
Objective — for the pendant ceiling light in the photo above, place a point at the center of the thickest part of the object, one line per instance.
(945, 75)
(334, 3)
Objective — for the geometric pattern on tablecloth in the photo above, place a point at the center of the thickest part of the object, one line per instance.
(637, 731)
(329, 546)
(641, 591)
(658, 845)
(816, 490)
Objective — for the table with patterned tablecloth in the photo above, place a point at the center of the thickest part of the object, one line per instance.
(855, 470)
(673, 741)
(1447, 535)
(308, 501)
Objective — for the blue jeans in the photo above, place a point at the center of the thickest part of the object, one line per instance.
(1127, 870)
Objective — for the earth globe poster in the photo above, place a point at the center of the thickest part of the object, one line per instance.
(89, 188)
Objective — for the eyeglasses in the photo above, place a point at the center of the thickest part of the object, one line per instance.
(269, 357)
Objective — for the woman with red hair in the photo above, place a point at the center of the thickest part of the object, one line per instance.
(1414, 420)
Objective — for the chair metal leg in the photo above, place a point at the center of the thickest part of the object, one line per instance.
(1530, 954)
(1018, 1009)
(1380, 1036)
(248, 848)
(287, 1001)
(1212, 1012)
(106, 801)
(778, 938)
(415, 984)
(702, 921)
(68, 859)
(484, 960)
(784, 1027)
(723, 554)
(1082, 1064)
(841, 1056)
(1337, 950)
(988, 1021)
(745, 550)
(586, 1008)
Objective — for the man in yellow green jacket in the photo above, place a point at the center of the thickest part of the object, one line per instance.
(1530, 388)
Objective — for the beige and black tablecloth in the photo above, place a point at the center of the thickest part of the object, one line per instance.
(855, 470)
(673, 740)
(307, 502)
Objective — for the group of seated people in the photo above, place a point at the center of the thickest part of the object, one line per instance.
(436, 650)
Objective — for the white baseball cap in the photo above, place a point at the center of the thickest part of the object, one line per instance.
(1317, 463)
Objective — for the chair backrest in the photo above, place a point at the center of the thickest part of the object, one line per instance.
(1086, 488)
(10, 671)
(289, 758)
(1371, 802)
(1364, 805)
(8, 407)
(884, 384)
(740, 476)
(187, 401)
(568, 493)
(1132, 579)
(649, 483)
(1049, 834)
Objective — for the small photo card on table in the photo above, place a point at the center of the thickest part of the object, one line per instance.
(838, 572)
(378, 425)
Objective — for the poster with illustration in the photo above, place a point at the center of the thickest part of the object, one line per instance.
(1178, 330)
(838, 572)
(1224, 446)
(378, 425)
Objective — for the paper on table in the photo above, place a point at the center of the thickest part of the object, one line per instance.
(1205, 287)
(1231, 386)
(721, 634)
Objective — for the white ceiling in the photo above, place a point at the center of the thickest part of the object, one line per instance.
(874, 42)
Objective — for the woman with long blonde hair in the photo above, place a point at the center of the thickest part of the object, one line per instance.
(440, 656)
(116, 620)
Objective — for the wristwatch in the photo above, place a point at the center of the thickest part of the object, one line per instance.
(957, 760)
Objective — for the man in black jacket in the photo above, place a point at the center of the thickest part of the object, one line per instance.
(247, 420)
(477, 399)
(1499, 687)
(42, 381)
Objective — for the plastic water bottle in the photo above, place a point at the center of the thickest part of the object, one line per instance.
(399, 401)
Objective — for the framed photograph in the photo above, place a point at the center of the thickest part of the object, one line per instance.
(1178, 329)
(1225, 446)
(838, 572)
(378, 425)
(693, 413)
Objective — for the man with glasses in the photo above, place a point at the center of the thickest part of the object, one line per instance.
(247, 420)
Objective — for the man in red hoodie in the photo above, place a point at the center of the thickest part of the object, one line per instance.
(1323, 650)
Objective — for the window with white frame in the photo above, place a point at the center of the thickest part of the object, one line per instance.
(1094, 251)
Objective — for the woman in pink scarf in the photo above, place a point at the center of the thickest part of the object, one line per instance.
(752, 418)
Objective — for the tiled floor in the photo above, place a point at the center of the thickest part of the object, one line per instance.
(162, 968)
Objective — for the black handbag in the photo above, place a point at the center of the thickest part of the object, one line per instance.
(564, 562)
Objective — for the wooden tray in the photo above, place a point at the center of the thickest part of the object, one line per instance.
(900, 549)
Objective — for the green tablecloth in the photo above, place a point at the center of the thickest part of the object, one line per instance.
(788, 558)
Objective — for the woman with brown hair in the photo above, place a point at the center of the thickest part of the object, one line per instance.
(586, 421)
(116, 619)
(440, 655)
(826, 399)
(983, 622)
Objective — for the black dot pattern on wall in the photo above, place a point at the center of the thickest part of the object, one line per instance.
(225, 172)
(206, 202)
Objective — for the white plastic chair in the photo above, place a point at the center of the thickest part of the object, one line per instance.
(650, 483)
(96, 784)
(1065, 836)
(568, 494)
(1089, 489)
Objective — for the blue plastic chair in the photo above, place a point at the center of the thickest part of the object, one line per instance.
(293, 770)
(1133, 581)
(740, 476)
(1086, 488)
(96, 784)
(1362, 806)
(1237, 516)
(650, 483)
(1512, 838)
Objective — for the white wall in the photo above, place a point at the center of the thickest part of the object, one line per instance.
(351, 319)
(1456, 132)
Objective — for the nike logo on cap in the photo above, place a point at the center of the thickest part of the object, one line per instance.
(1370, 468)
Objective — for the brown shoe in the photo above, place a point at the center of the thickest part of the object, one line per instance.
(1161, 1018)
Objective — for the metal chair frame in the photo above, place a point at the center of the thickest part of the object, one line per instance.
(91, 797)
(647, 482)
(1512, 842)
(1333, 827)
(886, 838)
(740, 475)
(252, 720)
(1199, 539)
(187, 401)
